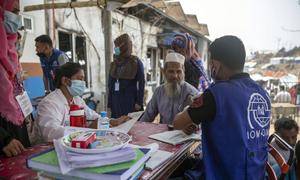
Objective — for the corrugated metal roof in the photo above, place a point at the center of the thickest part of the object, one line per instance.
(175, 10)
(194, 23)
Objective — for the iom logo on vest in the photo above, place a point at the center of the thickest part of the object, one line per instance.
(258, 116)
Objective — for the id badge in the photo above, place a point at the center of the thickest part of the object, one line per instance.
(24, 103)
(117, 85)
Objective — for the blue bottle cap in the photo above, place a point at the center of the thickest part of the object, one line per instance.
(103, 114)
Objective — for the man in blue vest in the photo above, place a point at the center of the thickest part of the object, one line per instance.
(50, 59)
(235, 117)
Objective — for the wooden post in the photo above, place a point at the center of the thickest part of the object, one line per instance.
(47, 21)
(64, 5)
(108, 46)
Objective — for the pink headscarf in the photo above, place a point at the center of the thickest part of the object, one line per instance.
(9, 67)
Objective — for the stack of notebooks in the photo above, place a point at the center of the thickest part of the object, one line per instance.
(113, 165)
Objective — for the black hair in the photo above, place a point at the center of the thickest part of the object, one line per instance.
(44, 39)
(230, 51)
(281, 88)
(66, 70)
(297, 153)
(285, 123)
(19, 35)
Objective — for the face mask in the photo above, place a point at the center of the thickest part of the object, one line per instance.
(41, 54)
(12, 22)
(77, 87)
(117, 51)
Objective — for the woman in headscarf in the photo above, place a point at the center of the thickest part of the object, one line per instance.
(13, 131)
(194, 70)
(126, 79)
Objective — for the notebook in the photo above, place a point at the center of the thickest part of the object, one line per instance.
(47, 161)
(174, 137)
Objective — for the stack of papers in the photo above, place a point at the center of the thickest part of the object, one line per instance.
(72, 160)
(47, 162)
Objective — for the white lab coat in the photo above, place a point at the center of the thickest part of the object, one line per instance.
(53, 112)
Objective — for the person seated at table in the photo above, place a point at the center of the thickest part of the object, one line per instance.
(231, 112)
(287, 129)
(283, 96)
(53, 110)
(171, 97)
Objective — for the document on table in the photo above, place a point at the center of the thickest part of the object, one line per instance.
(158, 158)
(174, 137)
(125, 127)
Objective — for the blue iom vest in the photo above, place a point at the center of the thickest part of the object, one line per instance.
(235, 142)
(49, 66)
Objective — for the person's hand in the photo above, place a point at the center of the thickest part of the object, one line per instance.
(118, 121)
(14, 148)
(137, 107)
(108, 112)
(94, 124)
(189, 129)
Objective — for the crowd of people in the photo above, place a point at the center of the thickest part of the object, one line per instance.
(231, 107)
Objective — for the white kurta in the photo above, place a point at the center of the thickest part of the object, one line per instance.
(53, 113)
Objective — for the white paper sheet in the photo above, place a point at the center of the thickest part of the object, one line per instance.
(158, 158)
(125, 127)
(24, 103)
(174, 137)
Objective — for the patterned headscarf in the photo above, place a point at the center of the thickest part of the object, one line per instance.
(9, 67)
(125, 44)
(185, 41)
(124, 65)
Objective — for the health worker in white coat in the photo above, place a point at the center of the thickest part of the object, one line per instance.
(53, 110)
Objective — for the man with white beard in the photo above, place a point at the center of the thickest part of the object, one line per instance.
(171, 97)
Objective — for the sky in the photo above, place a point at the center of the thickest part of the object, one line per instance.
(261, 24)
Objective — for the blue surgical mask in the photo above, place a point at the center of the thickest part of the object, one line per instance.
(77, 87)
(117, 51)
(12, 22)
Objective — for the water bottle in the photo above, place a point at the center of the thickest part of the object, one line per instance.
(103, 122)
(77, 116)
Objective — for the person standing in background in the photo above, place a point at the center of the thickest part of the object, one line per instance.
(50, 59)
(126, 81)
(283, 96)
(13, 131)
(194, 70)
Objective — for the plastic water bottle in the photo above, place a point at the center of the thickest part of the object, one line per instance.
(103, 122)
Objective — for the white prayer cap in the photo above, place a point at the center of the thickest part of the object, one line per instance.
(175, 57)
